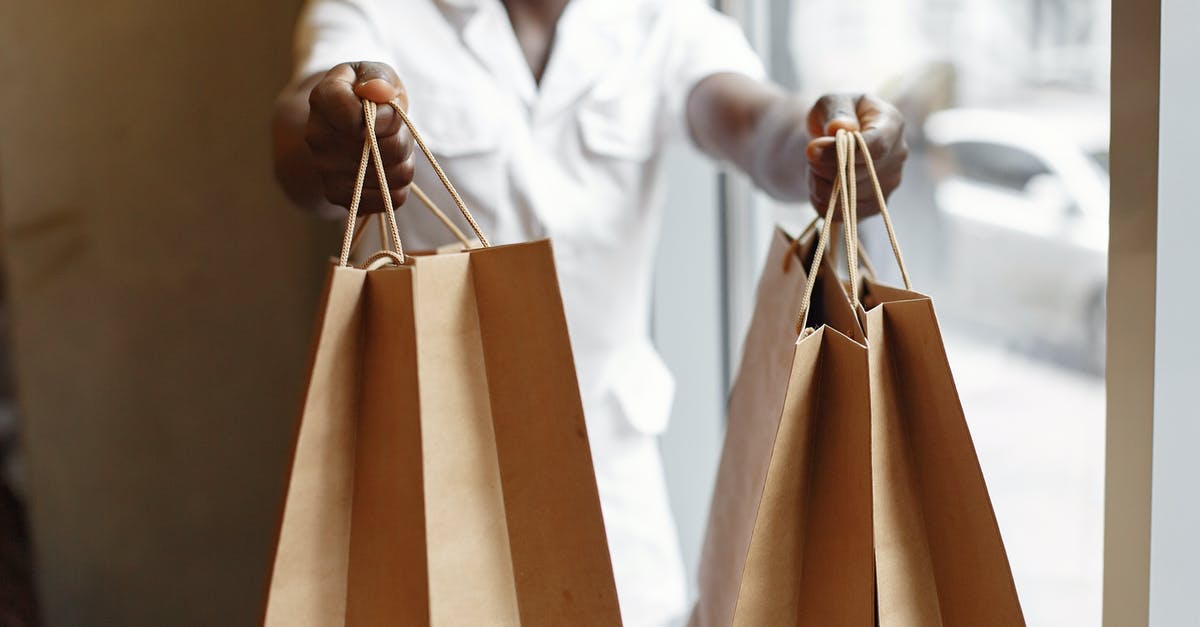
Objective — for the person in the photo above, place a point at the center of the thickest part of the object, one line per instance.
(551, 118)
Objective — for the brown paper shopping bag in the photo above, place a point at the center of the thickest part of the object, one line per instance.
(789, 532)
(939, 556)
(441, 474)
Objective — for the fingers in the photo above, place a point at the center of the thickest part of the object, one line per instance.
(336, 130)
(821, 177)
(397, 175)
(884, 166)
(341, 151)
(882, 128)
(882, 125)
(376, 82)
(337, 97)
(882, 142)
(820, 191)
(339, 187)
(372, 202)
(333, 100)
(833, 112)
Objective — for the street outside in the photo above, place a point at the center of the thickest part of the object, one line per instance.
(1038, 429)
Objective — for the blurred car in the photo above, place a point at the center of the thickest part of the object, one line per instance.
(1023, 201)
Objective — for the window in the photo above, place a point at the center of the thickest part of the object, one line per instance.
(995, 164)
(1019, 291)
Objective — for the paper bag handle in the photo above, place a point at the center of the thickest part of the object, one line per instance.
(371, 151)
(838, 193)
(845, 192)
(883, 209)
(863, 259)
(360, 229)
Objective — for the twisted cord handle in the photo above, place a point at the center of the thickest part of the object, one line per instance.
(370, 151)
(845, 193)
(389, 226)
(441, 174)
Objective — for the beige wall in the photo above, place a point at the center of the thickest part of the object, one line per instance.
(162, 293)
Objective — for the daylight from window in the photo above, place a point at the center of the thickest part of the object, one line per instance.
(1003, 220)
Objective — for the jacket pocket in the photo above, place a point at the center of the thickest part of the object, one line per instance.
(621, 126)
(456, 128)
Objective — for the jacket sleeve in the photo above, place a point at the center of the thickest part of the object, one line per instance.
(703, 42)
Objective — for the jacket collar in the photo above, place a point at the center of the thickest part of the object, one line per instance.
(590, 36)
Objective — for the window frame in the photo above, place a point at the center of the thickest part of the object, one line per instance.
(1150, 55)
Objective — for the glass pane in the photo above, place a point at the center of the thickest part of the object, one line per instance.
(1003, 218)
(993, 163)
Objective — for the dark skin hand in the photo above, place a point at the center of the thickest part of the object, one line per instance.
(318, 129)
(772, 136)
(318, 132)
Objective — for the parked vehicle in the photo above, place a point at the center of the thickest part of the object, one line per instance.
(1023, 199)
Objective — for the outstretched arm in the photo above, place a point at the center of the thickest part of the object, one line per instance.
(781, 143)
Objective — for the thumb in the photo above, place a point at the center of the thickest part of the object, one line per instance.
(376, 82)
(833, 112)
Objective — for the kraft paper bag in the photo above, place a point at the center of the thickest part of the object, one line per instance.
(442, 474)
(939, 555)
(936, 556)
(940, 560)
(789, 531)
